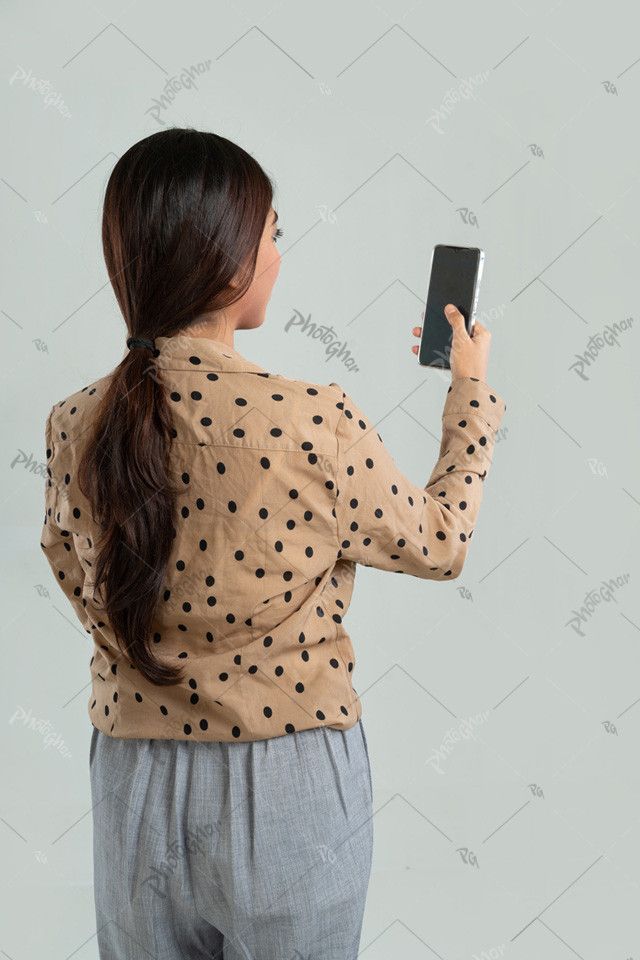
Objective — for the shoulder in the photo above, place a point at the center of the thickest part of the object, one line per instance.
(321, 399)
(324, 391)
(69, 417)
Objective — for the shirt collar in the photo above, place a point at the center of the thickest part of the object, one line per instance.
(201, 353)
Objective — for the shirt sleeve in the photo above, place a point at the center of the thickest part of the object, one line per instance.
(57, 543)
(386, 521)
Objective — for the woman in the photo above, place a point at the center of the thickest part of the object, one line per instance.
(204, 518)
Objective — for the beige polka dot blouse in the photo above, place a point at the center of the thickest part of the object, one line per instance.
(285, 487)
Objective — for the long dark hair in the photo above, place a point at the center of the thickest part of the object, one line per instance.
(184, 213)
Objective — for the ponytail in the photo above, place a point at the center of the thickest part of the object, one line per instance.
(124, 476)
(184, 213)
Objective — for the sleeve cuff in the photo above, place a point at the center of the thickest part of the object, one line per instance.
(471, 395)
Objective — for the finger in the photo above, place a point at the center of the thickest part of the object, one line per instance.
(456, 320)
(479, 329)
(417, 331)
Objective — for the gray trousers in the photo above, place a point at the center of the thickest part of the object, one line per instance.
(257, 850)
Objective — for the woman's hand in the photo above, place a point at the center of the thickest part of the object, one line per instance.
(469, 355)
(417, 332)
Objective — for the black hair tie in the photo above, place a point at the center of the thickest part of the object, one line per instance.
(140, 342)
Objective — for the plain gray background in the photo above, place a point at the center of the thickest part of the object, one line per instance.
(388, 127)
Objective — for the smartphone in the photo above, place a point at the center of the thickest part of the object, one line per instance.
(455, 276)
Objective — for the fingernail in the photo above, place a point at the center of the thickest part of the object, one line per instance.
(449, 308)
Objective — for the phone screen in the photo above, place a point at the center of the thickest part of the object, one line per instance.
(455, 278)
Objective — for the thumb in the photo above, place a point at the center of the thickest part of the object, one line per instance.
(455, 318)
